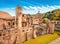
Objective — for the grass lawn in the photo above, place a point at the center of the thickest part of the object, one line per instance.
(44, 39)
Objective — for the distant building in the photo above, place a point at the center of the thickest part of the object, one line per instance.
(37, 19)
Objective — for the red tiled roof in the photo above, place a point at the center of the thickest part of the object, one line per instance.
(5, 15)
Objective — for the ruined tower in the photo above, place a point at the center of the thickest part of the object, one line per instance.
(18, 15)
(18, 23)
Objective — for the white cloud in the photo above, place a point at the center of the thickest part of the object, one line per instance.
(26, 7)
(31, 9)
(42, 9)
(11, 11)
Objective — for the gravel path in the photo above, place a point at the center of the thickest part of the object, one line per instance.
(57, 41)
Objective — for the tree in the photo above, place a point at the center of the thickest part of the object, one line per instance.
(53, 15)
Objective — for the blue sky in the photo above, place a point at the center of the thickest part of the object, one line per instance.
(29, 6)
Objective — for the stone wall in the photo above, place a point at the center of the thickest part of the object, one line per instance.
(4, 24)
(7, 36)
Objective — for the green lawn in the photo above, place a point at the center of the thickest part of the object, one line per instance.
(45, 39)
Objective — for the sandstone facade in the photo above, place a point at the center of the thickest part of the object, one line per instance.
(6, 20)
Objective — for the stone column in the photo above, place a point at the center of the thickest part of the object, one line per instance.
(19, 24)
(51, 27)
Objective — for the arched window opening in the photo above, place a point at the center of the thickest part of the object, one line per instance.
(8, 23)
(0, 34)
(13, 23)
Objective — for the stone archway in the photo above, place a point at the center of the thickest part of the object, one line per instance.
(39, 31)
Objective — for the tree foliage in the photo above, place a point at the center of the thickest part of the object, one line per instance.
(53, 15)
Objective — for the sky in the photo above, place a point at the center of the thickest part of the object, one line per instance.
(29, 6)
